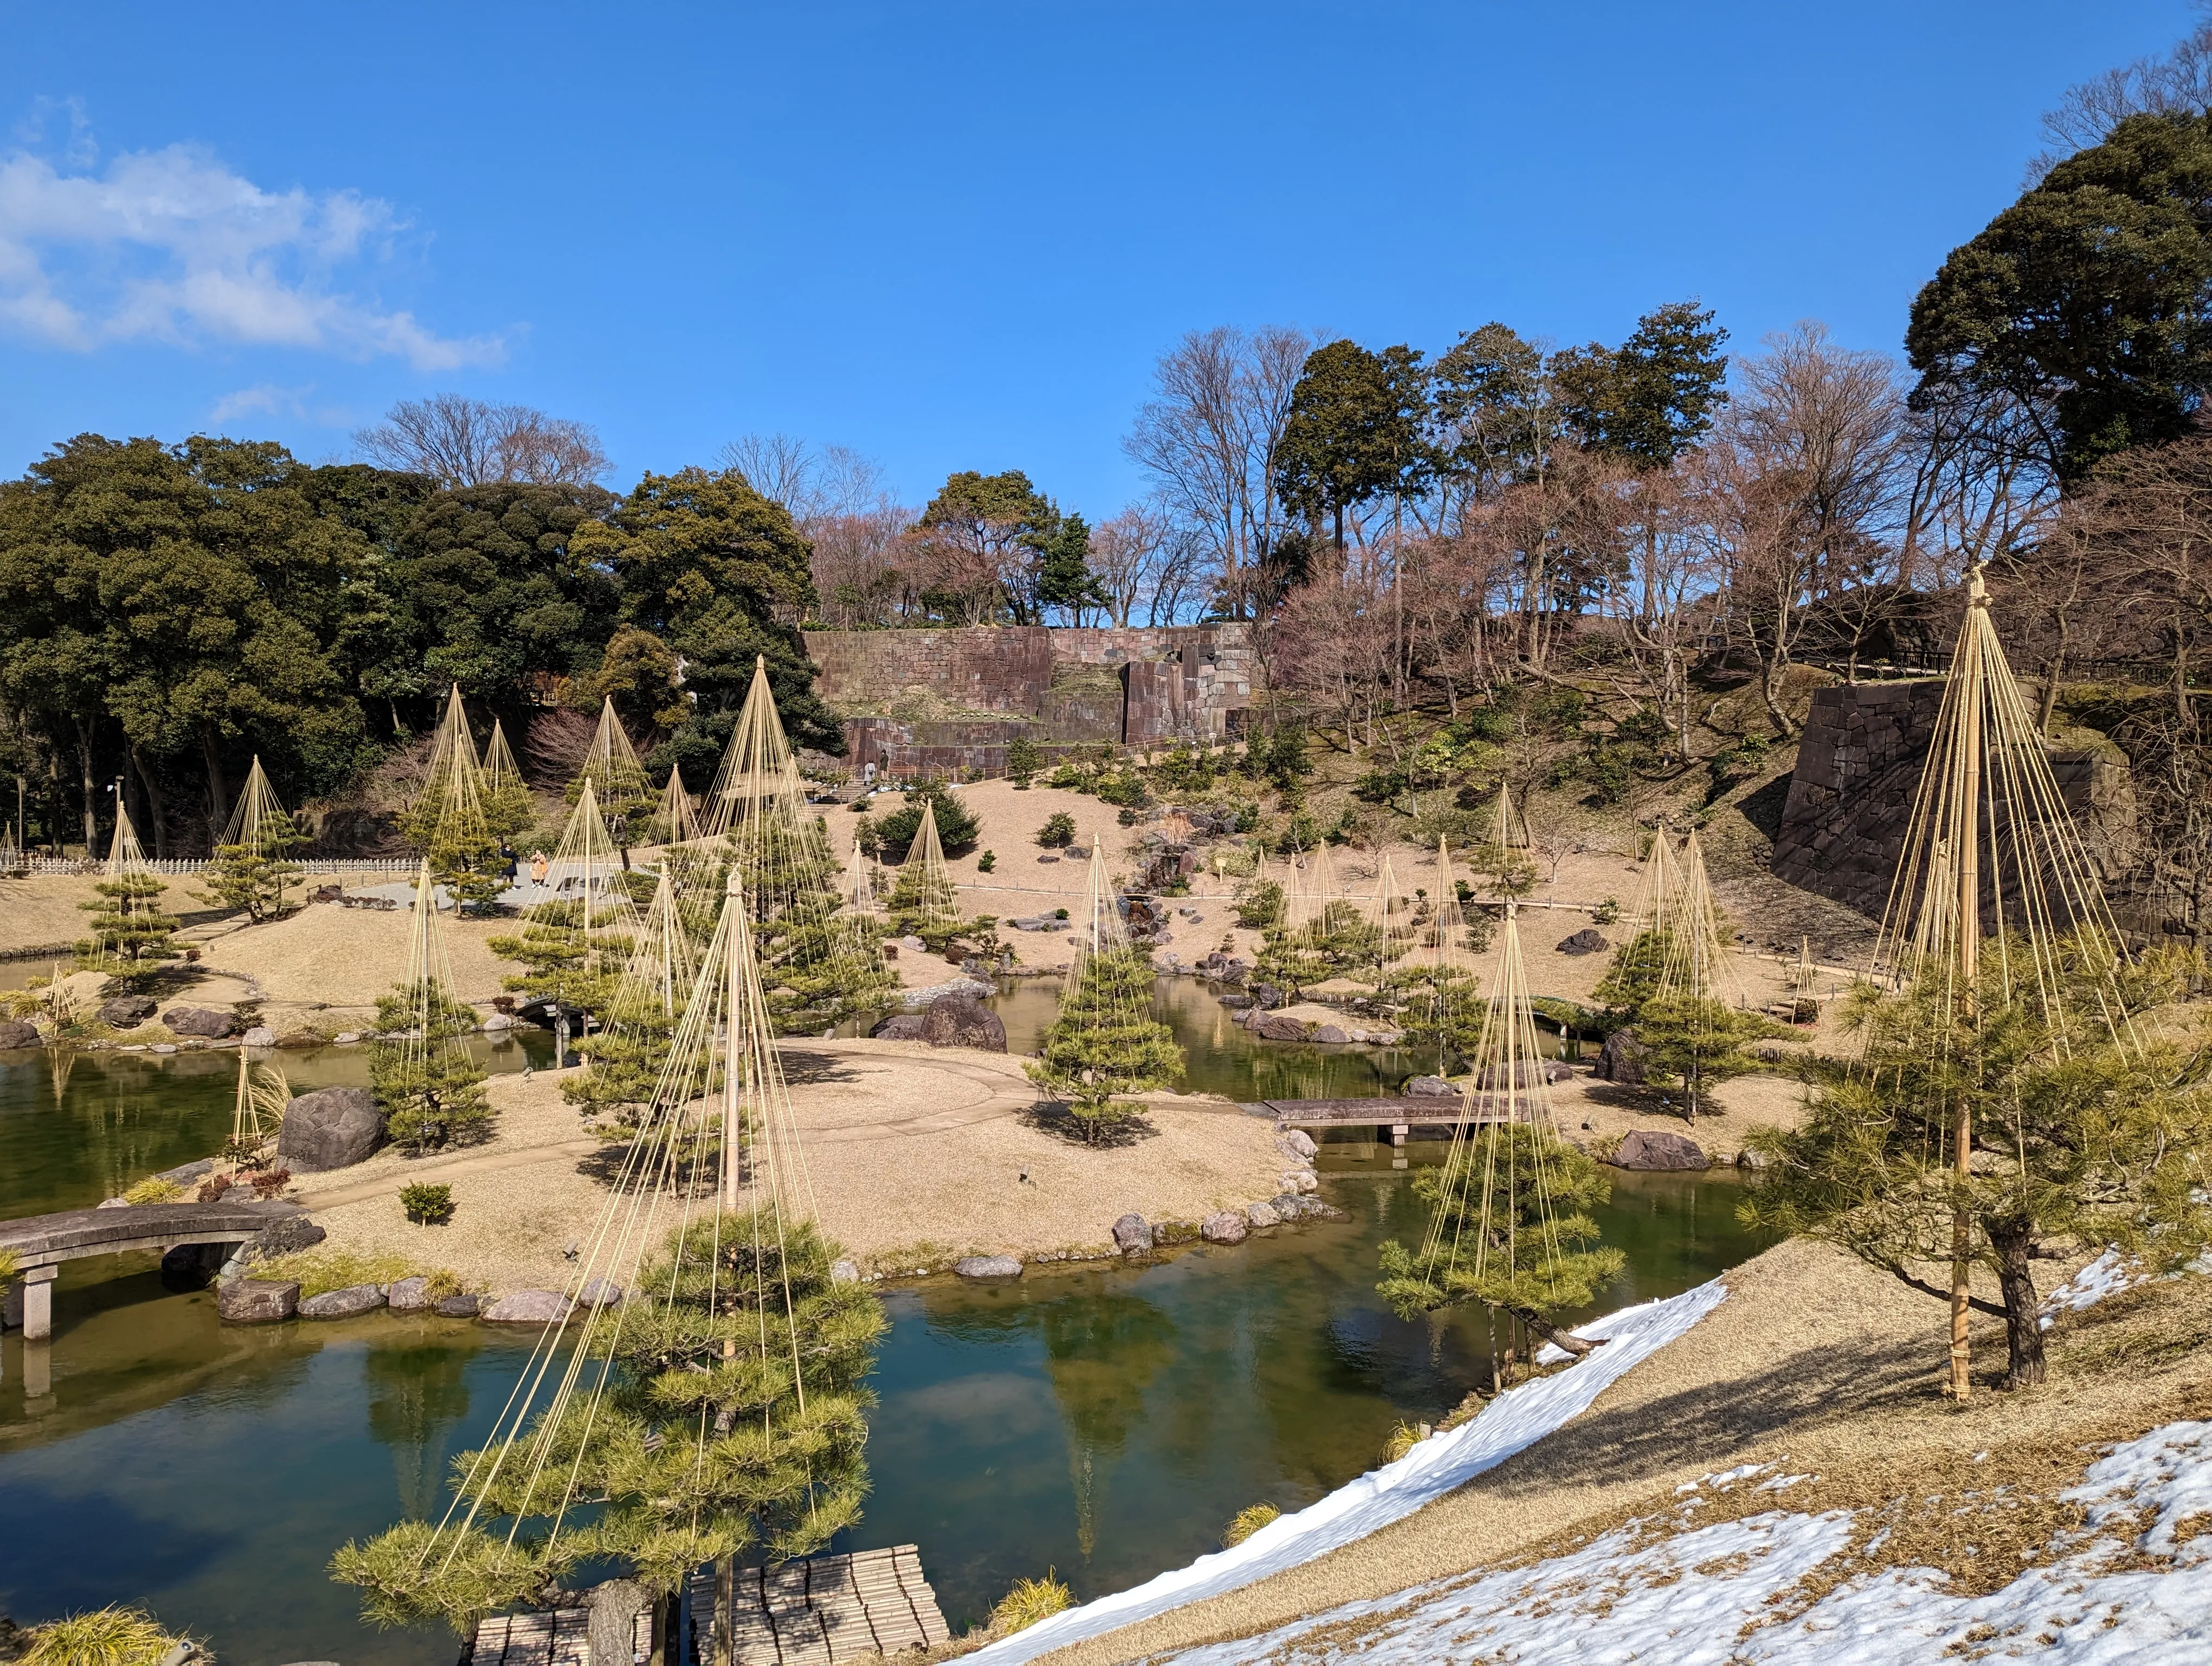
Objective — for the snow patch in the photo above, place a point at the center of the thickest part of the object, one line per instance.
(1516, 1419)
(2107, 1276)
(1686, 1600)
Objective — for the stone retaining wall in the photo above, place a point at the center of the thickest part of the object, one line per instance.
(1858, 768)
(1174, 682)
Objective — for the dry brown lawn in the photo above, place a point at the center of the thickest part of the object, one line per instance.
(915, 1156)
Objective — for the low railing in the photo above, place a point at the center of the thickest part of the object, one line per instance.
(404, 866)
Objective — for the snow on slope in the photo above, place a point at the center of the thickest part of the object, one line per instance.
(1516, 1419)
(1687, 1599)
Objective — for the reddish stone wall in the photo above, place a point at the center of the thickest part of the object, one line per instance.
(1177, 681)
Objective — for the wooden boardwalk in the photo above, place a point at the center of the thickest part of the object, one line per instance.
(554, 1638)
(818, 1611)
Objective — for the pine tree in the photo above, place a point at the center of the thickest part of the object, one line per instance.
(1521, 1233)
(428, 1088)
(2087, 1130)
(1694, 1044)
(130, 935)
(1639, 967)
(253, 879)
(749, 1344)
(1337, 942)
(1105, 1041)
(1023, 760)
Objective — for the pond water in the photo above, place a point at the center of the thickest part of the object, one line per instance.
(1105, 1421)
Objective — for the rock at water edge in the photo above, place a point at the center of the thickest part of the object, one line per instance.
(257, 1301)
(342, 1304)
(409, 1295)
(13, 1032)
(1273, 1027)
(1223, 1226)
(599, 1293)
(1428, 1087)
(203, 1022)
(988, 1266)
(525, 1307)
(1296, 1143)
(127, 1011)
(1262, 1214)
(458, 1307)
(1656, 1148)
(333, 1128)
(844, 1272)
(1132, 1235)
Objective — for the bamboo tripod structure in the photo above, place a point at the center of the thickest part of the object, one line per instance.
(1991, 844)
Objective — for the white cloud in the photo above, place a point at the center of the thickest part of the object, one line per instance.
(170, 245)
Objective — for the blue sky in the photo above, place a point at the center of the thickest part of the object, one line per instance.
(949, 236)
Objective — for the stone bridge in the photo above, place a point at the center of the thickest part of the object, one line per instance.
(40, 1243)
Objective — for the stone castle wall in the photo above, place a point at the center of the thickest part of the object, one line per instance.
(1858, 768)
(949, 700)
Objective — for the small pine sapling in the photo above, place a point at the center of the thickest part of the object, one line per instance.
(1105, 1041)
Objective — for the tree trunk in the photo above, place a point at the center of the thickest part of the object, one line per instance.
(611, 1634)
(156, 812)
(1565, 1341)
(218, 790)
(2013, 1241)
(91, 817)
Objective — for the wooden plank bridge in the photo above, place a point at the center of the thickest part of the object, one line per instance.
(1393, 1118)
(41, 1243)
(814, 1611)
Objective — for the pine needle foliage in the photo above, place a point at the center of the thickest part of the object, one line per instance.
(575, 944)
(628, 801)
(1105, 1043)
(509, 811)
(130, 939)
(430, 1088)
(1522, 1218)
(2079, 1137)
(250, 873)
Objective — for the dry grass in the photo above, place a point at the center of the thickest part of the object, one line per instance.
(1250, 1520)
(323, 1269)
(1029, 1601)
(113, 1636)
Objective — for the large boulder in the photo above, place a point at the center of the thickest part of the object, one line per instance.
(900, 1026)
(257, 1301)
(1257, 1215)
(599, 1293)
(1657, 1148)
(463, 1306)
(127, 1011)
(1132, 1235)
(342, 1304)
(1273, 1027)
(260, 1036)
(287, 1236)
(13, 1032)
(1296, 1143)
(960, 1020)
(333, 1128)
(525, 1307)
(1331, 1033)
(409, 1295)
(1223, 1226)
(1623, 1059)
(1588, 940)
(988, 1266)
(203, 1022)
(1428, 1087)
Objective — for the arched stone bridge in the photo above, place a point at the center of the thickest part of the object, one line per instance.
(40, 1243)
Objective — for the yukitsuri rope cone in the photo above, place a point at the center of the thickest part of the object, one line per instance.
(611, 768)
(430, 1087)
(675, 821)
(258, 820)
(1105, 1043)
(924, 899)
(130, 933)
(696, 1393)
(579, 931)
(508, 806)
(823, 966)
(1995, 902)
(625, 1059)
(262, 1093)
(447, 822)
(1510, 1226)
(1437, 980)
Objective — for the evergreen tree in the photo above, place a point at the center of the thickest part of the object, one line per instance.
(1023, 760)
(1638, 965)
(957, 826)
(1339, 942)
(253, 876)
(733, 1423)
(819, 966)
(2079, 1138)
(430, 1091)
(1695, 1043)
(1524, 1242)
(130, 935)
(1105, 1041)
(574, 970)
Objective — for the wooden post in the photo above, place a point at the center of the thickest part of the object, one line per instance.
(725, 1607)
(1968, 837)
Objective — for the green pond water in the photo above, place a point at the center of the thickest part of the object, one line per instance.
(1106, 1421)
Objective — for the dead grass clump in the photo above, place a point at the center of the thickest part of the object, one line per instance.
(322, 1270)
(113, 1636)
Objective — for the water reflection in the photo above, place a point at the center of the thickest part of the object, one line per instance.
(417, 1396)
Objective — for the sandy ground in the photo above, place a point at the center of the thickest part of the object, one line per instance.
(915, 1156)
(1813, 1354)
(328, 965)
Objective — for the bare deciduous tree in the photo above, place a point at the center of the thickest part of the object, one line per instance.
(1127, 553)
(2179, 84)
(842, 503)
(1208, 440)
(460, 442)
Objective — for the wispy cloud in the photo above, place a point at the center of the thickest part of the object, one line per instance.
(171, 246)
